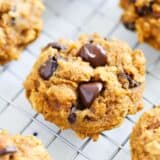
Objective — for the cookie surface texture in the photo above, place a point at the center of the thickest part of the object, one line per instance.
(20, 24)
(18, 147)
(143, 16)
(88, 85)
(145, 138)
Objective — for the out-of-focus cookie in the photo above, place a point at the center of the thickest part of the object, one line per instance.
(18, 147)
(89, 85)
(143, 16)
(145, 138)
(20, 24)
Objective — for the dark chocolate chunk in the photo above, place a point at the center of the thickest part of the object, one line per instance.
(72, 117)
(47, 69)
(127, 81)
(8, 150)
(55, 45)
(88, 92)
(145, 10)
(94, 54)
(129, 25)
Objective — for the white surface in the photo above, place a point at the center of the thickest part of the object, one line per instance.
(69, 18)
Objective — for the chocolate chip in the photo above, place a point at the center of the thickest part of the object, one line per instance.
(132, 83)
(11, 156)
(127, 81)
(35, 134)
(7, 150)
(55, 45)
(72, 117)
(47, 69)
(94, 54)
(145, 10)
(122, 77)
(91, 41)
(88, 92)
(129, 25)
(132, 1)
(88, 118)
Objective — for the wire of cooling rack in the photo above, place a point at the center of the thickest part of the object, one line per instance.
(64, 140)
(78, 150)
(39, 122)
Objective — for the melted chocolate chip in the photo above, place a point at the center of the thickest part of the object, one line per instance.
(129, 25)
(94, 54)
(145, 10)
(47, 69)
(8, 150)
(88, 92)
(127, 81)
(55, 45)
(72, 117)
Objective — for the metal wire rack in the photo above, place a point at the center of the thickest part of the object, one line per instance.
(69, 18)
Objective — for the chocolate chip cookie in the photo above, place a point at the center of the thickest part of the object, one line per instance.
(20, 24)
(145, 138)
(143, 16)
(89, 85)
(20, 147)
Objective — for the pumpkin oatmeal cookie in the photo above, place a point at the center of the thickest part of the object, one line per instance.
(20, 147)
(145, 138)
(143, 16)
(20, 24)
(89, 85)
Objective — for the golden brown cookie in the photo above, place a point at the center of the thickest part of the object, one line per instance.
(89, 85)
(20, 24)
(20, 147)
(143, 16)
(145, 138)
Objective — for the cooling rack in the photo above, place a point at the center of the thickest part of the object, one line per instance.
(68, 19)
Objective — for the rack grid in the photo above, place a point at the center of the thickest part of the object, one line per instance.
(68, 19)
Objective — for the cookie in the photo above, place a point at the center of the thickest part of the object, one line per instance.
(20, 24)
(145, 138)
(20, 147)
(143, 16)
(89, 85)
